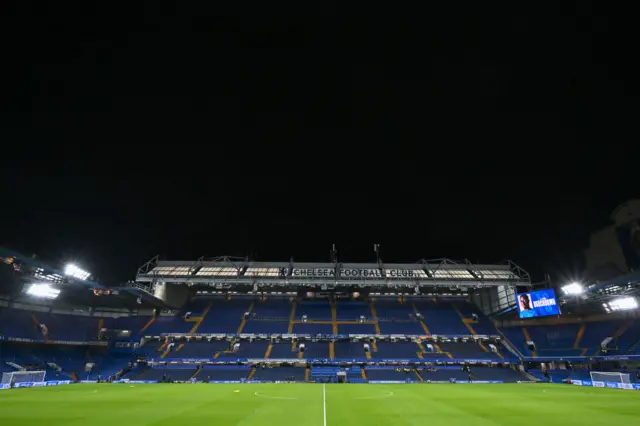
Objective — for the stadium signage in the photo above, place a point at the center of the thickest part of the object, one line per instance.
(58, 342)
(353, 273)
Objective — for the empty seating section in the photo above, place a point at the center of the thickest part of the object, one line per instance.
(314, 310)
(496, 373)
(266, 327)
(282, 351)
(389, 373)
(467, 350)
(316, 350)
(18, 323)
(564, 340)
(68, 359)
(269, 316)
(392, 309)
(198, 306)
(596, 332)
(273, 309)
(281, 373)
(198, 349)
(405, 327)
(396, 350)
(517, 339)
(560, 337)
(24, 324)
(558, 376)
(173, 373)
(224, 316)
(356, 329)
(349, 350)
(629, 342)
(442, 318)
(307, 328)
(445, 374)
(231, 372)
(483, 325)
(133, 324)
(354, 375)
(252, 350)
(168, 325)
(84, 328)
(272, 316)
(351, 311)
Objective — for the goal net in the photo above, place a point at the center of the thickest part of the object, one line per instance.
(23, 376)
(600, 377)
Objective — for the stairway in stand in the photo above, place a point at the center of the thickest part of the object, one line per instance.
(374, 316)
(198, 320)
(334, 318)
(268, 351)
(527, 338)
(151, 320)
(422, 323)
(251, 373)
(466, 321)
(292, 316)
(197, 372)
(244, 320)
(579, 334)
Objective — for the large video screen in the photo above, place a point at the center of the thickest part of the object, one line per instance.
(540, 303)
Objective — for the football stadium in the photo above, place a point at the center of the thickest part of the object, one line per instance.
(231, 341)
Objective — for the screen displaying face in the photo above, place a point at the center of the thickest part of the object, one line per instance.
(538, 304)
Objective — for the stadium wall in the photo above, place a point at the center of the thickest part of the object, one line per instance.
(174, 295)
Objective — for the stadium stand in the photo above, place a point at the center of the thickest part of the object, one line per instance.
(574, 340)
(280, 315)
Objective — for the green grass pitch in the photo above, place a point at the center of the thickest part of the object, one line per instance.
(308, 404)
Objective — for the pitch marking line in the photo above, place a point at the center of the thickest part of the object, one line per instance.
(324, 403)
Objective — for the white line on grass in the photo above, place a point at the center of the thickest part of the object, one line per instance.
(324, 403)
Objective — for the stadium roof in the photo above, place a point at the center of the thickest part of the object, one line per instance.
(36, 269)
(229, 270)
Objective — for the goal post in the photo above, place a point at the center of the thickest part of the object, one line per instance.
(601, 377)
(23, 376)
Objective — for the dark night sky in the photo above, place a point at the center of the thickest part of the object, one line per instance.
(184, 132)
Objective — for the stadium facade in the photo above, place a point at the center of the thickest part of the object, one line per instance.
(493, 286)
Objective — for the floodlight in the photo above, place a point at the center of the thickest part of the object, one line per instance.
(75, 272)
(623, 304)
(43, 290)
(572, 289)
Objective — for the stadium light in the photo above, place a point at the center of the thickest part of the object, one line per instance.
(622, 304)
(572, 289)
(72, 270)
(43, 290)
